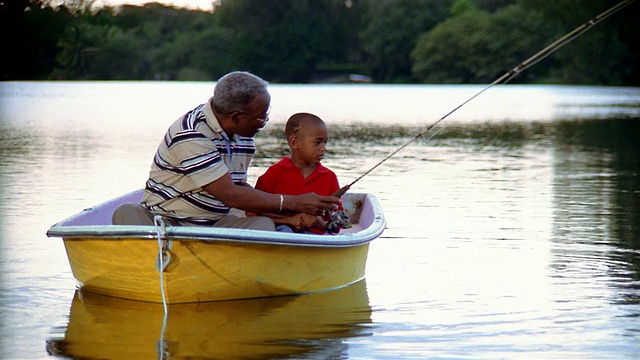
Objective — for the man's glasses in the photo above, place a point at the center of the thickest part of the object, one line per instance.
(263, 120)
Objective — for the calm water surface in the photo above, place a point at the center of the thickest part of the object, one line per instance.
(512, 233)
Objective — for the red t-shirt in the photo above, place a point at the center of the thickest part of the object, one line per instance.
(285, 178)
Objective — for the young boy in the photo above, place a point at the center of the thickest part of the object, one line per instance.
(302, 172)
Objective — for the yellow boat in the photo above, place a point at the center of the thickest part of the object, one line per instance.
(315, 325)
(209, 264)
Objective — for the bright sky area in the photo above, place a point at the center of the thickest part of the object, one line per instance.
(191, 4)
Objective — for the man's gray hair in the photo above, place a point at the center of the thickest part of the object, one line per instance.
(236, 90)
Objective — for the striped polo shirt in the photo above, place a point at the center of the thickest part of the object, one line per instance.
(195, 151)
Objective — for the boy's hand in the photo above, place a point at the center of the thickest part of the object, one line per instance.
(299, 222)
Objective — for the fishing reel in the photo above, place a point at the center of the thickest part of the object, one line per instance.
(339, 219)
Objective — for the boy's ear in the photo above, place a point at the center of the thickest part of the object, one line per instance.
(293, 141)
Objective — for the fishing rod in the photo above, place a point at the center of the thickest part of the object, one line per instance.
(502, 80)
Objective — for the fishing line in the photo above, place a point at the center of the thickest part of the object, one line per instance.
(502, 80)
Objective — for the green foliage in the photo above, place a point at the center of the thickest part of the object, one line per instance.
(391, 30)
(99, 52)
(476, 46)
(392, 41)
(606, 54)
(286, 40)
(454, 45)
(460, 7)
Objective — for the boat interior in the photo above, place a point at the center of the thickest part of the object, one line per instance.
(125, 210)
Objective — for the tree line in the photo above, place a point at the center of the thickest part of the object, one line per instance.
(301, 41)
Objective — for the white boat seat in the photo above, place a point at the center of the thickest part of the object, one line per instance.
(131, 214)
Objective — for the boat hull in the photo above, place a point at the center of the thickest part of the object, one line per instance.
(210, 263)
(210, 271)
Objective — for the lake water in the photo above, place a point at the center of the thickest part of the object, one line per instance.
(513, 233)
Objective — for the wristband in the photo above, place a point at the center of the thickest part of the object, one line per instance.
(281, 203)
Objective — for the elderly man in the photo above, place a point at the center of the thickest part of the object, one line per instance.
(200, 169)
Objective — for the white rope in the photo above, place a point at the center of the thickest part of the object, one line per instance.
(160, 235)
(162, 345)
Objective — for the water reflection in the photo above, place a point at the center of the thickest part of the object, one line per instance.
(597, 209)
(315, 325)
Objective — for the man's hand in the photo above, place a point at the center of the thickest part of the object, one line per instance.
(310, 203)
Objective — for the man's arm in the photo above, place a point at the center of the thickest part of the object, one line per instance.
(256, 201)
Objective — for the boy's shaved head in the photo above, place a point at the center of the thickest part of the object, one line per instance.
(298, 121)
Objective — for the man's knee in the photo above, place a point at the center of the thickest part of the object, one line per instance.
(132, 214)
(264, 223)
(249, 222)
